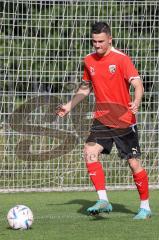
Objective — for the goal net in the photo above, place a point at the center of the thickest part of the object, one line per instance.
(42, 45)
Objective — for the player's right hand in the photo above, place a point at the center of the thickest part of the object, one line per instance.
(62, 110)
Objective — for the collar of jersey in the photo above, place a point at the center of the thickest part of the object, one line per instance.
(105, 56)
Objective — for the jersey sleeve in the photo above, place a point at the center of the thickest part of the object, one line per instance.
(129, 70)
(86, 76)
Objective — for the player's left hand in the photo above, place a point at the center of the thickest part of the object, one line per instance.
(133, 107)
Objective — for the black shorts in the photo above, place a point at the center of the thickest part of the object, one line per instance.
(126, 140)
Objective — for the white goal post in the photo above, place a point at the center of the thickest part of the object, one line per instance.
(42, 45)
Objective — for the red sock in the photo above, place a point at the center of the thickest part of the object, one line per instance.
(141, 182)
(96, 174)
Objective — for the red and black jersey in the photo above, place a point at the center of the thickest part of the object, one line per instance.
(110, 76)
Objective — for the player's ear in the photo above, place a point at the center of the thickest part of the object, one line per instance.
(91, 41)
(110, 39)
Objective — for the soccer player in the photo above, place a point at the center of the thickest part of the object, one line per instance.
(109, 73)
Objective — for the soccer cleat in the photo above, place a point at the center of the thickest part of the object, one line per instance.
(99, 207)
(143, 214)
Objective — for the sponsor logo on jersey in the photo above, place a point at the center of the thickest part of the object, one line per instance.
(92, 70)
(112, 68)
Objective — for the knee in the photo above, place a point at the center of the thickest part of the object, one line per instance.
(90, 154)
(135, 165)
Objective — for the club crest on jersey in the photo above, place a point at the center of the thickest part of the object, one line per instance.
(92, 71)
(112, 68)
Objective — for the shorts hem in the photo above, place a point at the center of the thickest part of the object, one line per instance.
(129, 156)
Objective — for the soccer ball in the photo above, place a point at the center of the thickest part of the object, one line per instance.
(20, 217)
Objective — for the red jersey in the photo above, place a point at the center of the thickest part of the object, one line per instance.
(110, 76)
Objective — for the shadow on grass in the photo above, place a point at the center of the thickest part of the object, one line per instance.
(84, 204)
(118, 208)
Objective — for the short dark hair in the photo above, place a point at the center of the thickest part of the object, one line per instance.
(100, 27)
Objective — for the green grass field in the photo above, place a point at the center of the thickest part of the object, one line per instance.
(62, 216)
